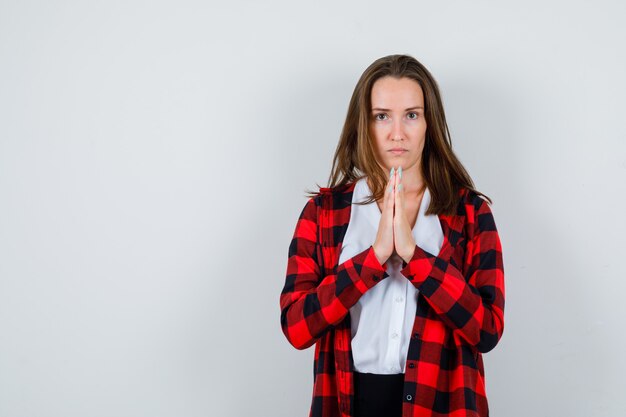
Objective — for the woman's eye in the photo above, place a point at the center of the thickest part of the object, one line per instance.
(415, 114)
(380, 114)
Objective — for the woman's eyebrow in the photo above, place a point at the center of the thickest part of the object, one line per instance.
(410, 108)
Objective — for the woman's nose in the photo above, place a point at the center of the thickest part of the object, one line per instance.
(397, 131)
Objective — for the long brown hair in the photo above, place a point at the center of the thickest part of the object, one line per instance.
(355, 157)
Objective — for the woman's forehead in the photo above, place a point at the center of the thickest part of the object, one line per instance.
(392, 93)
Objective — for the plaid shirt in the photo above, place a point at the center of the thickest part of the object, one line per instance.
(460, 307)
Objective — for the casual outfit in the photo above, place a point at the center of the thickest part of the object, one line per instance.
(400, 339)
(382, 319)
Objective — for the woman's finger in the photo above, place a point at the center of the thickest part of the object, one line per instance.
(399, 201)
(389, 192)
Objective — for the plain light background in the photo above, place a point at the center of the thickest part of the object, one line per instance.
(153, 162)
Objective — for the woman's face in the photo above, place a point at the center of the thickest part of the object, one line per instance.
(397, 122)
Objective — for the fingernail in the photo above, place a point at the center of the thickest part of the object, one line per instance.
(399, 187)
(400, 172)
(391, 173)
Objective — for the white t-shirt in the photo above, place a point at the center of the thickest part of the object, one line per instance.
(382, 320)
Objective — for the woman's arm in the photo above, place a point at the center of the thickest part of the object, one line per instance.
(473, 308)
(311, 304)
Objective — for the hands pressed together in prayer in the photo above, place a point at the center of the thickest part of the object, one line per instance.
(394, 231)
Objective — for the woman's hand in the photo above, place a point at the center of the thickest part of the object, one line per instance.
(402, 234)
(384, 244)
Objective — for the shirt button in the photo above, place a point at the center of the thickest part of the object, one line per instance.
(409, 397)
(415, 335)
(394, 335)
(399, 299)
(411, 365)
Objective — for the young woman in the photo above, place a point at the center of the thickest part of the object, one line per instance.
(395, 269)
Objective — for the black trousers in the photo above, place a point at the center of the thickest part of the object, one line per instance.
(378, 395)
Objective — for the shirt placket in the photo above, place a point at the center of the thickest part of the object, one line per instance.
(396, 321)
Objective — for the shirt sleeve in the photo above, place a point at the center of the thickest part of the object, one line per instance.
(472, 305)
(310, 303)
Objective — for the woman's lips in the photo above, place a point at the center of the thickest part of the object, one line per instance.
(397, 151)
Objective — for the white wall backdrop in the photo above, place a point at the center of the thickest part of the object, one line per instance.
(153, 161)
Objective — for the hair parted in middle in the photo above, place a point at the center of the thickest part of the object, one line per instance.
(355, 156)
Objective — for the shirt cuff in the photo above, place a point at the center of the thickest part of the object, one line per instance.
(419, 266)
(368, 268)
